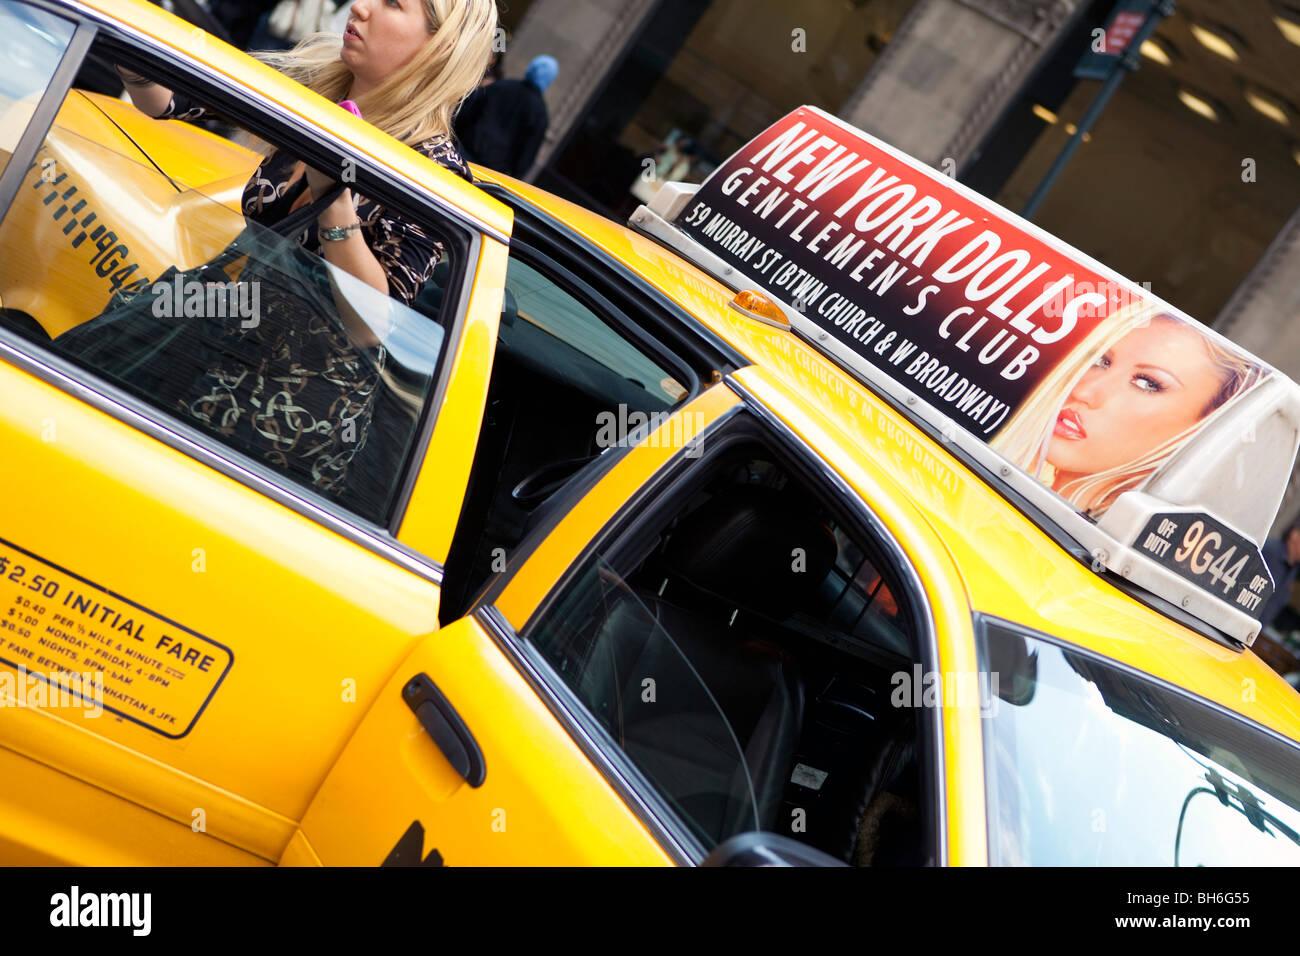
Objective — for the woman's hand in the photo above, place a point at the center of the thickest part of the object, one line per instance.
(341, 212)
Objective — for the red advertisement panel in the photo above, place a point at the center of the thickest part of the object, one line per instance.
(1077, 377)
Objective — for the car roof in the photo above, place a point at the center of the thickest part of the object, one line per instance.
(1010, 567)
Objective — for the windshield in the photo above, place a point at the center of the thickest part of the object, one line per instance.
(1089, 765)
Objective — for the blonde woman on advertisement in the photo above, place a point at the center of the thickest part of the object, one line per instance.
(1121, 403)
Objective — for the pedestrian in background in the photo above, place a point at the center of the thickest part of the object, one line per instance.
(501, 125)
(290, 21)
(1282, 555)
(240, 18)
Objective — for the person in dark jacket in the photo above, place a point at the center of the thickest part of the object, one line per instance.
(1282, 555)
(240, 18)
(501, 125)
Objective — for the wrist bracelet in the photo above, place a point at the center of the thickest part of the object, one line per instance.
(337, 233)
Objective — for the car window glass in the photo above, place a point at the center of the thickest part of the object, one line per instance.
(634, 677)
(855, 598)
(145, 271)
(569, 382)
(34, 42)
(1091, 765)
(552, 310)
(732, 580)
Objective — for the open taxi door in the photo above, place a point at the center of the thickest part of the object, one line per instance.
(462, 760)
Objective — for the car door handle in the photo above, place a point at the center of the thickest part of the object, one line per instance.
(444, 725)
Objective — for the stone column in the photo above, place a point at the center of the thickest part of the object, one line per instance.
(588, 37)
(1263, 316)
(951, 69)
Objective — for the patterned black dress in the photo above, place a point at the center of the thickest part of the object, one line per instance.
(294, 390)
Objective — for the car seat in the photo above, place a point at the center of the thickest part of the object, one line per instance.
(720, 728)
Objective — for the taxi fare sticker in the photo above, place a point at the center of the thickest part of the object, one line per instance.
(61, 628)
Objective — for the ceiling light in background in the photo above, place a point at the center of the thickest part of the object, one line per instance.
(1154, 50)
(1295, 154)
(1198, 105)
(1267, 106)
(1215, 43)
(1044, 114)
(1290, 29)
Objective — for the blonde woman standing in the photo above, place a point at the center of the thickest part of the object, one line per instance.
(407, 65)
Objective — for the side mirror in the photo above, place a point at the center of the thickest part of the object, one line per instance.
(767, 849)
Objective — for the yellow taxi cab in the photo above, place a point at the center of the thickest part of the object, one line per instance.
(766, 531)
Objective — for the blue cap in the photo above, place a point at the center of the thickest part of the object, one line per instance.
(542, 71)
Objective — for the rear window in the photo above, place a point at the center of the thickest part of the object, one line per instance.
(1091, 765)
(180, 278)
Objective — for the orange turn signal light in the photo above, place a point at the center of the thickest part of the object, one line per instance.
(758, 306)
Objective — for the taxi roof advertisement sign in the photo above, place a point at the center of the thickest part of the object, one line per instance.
(1020, 340)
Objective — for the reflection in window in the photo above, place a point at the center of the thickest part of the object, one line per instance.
(34, 42)
(219, 323)
(550, 309)
(1087, 765)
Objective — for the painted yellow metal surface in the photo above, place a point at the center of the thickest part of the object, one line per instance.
(428, 525)
(1010, 567)
(998, 562)
(323, 632)
(56, 820)
(316, 624)
(310, 624)
(392, 775)
(536, 774)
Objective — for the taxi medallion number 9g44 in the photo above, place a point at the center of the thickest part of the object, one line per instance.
(1200, 553)
(1211, 555)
